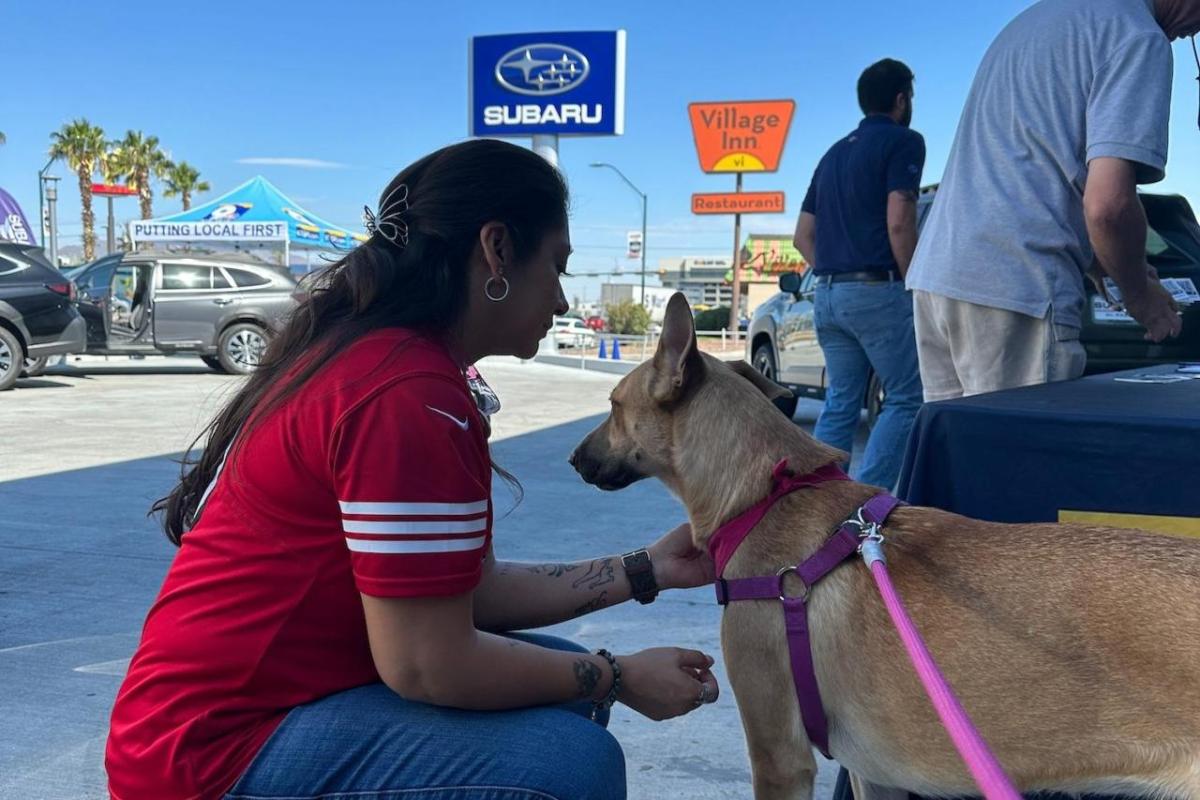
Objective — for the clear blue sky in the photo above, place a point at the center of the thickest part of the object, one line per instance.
(369, 87)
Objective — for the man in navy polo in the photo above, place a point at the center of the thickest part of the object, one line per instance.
(858, 230)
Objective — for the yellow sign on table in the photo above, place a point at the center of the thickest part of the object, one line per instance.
(1172, 526)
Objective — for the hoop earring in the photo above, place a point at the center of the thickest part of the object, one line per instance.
(487, 291)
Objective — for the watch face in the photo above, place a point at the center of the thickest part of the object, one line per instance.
(637, 560)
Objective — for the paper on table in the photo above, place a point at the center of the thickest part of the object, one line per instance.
(1156, 377)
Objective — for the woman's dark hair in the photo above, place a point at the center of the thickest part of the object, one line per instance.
(880, 83)
(452, 194)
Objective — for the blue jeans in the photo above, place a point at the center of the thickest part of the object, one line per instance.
(369, 743)
(863, 326)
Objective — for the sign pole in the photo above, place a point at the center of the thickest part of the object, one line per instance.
(111, 236)
(51, 202)
(734, 319)
(546, 146)
(644, 303)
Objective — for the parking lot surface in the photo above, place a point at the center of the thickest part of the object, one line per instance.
(89, 446)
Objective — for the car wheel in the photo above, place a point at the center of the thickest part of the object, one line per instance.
(11, 356)
(34, 367)
(241, 348)
(875, 397)
(764, 362)
(213, 363)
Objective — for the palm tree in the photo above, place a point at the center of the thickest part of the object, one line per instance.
(183, 179)
(110, 167)
(82, 145)
(140, 160)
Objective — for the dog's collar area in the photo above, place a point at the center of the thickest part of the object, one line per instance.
(860, 530)
(727, 538)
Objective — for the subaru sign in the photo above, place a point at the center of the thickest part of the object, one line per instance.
(547, 83)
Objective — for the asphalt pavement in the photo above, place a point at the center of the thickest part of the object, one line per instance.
(86, 448)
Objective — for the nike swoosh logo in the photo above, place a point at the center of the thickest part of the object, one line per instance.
(463, 424)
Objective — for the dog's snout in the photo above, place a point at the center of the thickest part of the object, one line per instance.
(573, 459)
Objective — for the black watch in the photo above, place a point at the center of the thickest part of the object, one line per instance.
(641, 575)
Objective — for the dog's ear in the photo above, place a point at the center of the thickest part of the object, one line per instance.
(677, 360)
(770, 388)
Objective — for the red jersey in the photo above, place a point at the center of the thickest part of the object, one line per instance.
(373, 478)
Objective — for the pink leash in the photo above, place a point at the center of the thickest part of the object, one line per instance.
(984, 767)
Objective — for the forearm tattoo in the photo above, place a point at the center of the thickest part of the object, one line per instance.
(599, 573)
(596, 575)
(587, 677)
(553, 570)
(595, 604)
(550, 570)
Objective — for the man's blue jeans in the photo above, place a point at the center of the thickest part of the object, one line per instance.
(863, 326)
(370, 744)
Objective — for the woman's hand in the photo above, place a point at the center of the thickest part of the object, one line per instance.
(677, 563)
(665, 682)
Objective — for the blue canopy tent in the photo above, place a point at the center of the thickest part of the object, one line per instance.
(254, 212)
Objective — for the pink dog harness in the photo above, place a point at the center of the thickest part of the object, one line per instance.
(844, 543)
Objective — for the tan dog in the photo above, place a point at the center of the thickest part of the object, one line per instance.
(1075, 649)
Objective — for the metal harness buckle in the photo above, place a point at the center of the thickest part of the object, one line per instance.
(870, 537)
(867, 531)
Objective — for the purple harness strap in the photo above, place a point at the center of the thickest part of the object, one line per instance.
(837, 548)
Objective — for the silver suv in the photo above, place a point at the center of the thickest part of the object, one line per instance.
(223, 309)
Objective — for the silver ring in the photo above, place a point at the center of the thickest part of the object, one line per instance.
(703, 698)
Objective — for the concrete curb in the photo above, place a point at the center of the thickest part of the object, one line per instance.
(592, 364)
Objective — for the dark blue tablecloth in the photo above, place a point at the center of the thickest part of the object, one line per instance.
(1094, 444)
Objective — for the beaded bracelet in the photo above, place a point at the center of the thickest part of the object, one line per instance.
(611, 697)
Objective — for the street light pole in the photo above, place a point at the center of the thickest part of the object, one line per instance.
(642, 195)
(52, 199)
(42, 199)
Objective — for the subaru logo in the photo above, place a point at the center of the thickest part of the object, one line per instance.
(542, 69)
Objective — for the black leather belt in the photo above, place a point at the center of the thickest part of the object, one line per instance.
(865, 275)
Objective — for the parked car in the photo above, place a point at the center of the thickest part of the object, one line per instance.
(782, 342)
(38, 316)
(573, 332)
(223, 309)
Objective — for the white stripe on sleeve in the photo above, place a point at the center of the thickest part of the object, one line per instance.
(416, 528)
(414, 509)
(415, 545)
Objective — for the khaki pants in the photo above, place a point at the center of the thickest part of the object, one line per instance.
(967, 349)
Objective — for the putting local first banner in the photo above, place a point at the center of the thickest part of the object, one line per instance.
(149, 230)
